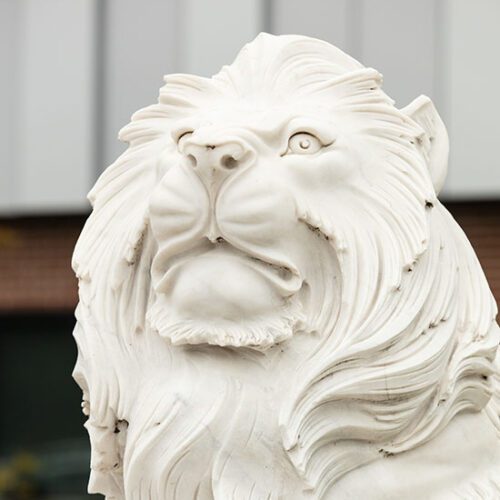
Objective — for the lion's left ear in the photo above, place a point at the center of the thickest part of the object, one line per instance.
(435, 138)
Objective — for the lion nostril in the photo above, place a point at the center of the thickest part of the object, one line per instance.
(192, 160)
(229, 162)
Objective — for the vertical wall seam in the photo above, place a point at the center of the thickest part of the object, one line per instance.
(354, 28)
(442, 73)
(100, 80)
(267, 16)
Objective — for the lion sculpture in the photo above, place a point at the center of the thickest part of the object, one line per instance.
(273, 302)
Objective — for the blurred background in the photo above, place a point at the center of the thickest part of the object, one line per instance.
(72, 73)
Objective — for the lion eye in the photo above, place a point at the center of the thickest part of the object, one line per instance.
(183, 137)
(303, 143)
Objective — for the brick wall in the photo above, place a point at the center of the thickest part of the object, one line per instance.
(35, 260)
(35, 255)
(481, 223)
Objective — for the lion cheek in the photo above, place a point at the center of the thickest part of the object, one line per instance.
(179, 204)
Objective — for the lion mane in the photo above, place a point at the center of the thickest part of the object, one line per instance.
(406, 332)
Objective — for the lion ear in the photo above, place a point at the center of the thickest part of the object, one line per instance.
(434, 140)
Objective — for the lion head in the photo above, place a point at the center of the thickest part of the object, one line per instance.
(267, 272)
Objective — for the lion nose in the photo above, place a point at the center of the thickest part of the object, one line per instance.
(224, 157)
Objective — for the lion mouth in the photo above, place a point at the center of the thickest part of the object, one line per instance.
(218, 294)
(286, 279)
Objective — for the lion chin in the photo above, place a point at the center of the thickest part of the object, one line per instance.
(222, 296)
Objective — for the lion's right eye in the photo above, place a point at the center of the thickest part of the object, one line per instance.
(303, 143)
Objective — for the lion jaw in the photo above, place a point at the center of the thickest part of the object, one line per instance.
(222, 296)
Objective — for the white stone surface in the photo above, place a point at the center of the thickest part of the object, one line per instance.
(273, 302)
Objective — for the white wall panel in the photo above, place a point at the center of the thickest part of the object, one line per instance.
(139, 47)
(328, 20)
(9, 38)
(397, 37)
(53, 105)
(474, 99)
(212, 32)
